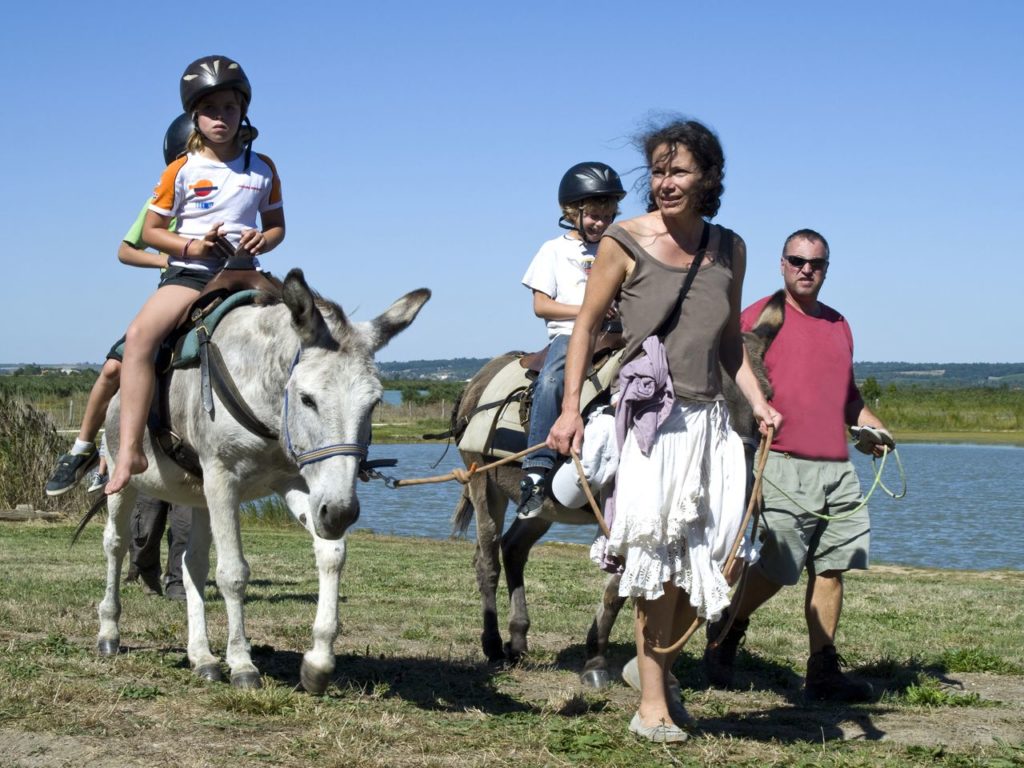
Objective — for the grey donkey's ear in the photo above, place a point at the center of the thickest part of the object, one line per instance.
(397, 317)
(306, 318)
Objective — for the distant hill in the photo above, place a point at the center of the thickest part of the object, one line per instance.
(943, 374)
(457, 369)
(903, 374)
(924, 374)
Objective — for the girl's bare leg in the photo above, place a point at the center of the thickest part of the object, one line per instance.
(155, 320)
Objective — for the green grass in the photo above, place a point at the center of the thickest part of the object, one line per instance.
(411, 687)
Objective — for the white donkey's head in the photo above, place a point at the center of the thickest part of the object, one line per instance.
(329, 399)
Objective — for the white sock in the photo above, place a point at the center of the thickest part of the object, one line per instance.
(82, 446)
(535, 477)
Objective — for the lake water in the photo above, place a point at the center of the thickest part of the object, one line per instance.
(964, 508)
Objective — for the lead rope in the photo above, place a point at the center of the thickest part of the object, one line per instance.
(756, 501)
(877, 467)
(463, 476)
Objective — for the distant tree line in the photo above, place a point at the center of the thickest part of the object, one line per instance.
(32, 382)
(425, 391)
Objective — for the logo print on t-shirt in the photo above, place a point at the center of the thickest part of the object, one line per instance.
(203, 187)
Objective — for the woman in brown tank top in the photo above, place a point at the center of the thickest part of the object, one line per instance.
(679, 498)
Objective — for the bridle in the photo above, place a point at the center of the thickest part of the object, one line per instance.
(317, 454)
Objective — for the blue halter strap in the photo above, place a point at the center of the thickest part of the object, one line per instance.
(317, 454)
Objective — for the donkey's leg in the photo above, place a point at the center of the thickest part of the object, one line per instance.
(232, 572)
(489, 504)
(318, 662)
(196, 568)
(595, 671)
(115, 545)
(515, 550)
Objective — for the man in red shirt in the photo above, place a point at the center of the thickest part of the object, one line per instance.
(814, 514)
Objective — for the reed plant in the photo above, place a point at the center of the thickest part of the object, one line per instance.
(29, 447)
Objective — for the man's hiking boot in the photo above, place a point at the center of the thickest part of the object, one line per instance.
(175, 591)
(826, 681)
(531, 497)
(720, 660)
(69, 470)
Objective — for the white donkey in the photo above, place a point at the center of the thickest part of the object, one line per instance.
(308, 375)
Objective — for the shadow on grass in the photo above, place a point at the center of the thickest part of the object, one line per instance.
(430, 684)
(796, 720)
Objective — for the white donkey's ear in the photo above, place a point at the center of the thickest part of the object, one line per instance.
(397, 317)
(309, 324)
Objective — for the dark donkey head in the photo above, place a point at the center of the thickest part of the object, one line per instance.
(757, 340)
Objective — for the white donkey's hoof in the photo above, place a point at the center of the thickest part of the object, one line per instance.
(246, 680)
(209, 672)
(313, 680)
(108, 647)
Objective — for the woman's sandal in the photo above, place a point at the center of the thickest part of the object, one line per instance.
(662, 733)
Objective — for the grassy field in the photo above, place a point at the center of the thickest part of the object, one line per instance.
(412, 689)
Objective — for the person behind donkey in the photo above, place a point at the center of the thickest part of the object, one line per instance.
(682, 473)
(84, 454)
(808, 475)
(589, 196)
(219, 189)
(150, 517)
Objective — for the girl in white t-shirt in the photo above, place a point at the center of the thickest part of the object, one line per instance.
(219, 189)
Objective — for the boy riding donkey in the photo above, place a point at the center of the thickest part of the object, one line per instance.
(589, 196)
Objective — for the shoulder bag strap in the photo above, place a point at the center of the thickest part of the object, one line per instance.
(691, 273)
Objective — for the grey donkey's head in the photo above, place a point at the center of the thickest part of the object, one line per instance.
(332, 391)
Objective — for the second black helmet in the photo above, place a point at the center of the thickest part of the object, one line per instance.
(209, 74)
(176, 137)
(590, 179)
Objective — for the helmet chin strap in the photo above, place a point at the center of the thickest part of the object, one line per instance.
(564, 223)
(248, 142)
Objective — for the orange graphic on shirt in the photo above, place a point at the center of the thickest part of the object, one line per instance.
(203, 187)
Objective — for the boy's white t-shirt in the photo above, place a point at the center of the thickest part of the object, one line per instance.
(560, 269)
(200, 192)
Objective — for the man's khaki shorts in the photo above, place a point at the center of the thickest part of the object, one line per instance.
(793, 538)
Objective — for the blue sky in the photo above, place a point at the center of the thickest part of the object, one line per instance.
(422, 144)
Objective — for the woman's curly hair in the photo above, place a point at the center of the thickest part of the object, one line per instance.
(707, 153)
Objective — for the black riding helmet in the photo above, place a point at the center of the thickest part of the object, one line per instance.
(176, 137)
(591, 179)
(584, 181)
(218, 73)
(213, 73)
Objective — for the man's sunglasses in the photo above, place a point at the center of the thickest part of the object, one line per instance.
(798, 262)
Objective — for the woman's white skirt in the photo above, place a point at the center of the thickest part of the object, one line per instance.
(678, 511)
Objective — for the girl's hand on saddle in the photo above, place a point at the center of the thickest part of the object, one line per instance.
(566, 433)
(253, 240)
(767, 416)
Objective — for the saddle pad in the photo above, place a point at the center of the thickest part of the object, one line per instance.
(186, 351)
(497, 431)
